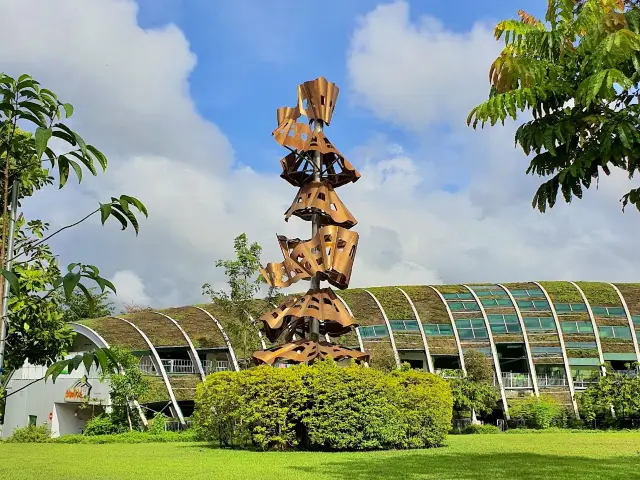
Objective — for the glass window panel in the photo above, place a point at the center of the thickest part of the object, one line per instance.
(430, 329)
(578, 307)
(599, 310)
(569, 327)
(548, 323)
(483, 294)
(585, 327)
(505, 302)
(465, 333)
(519, 293)
(495, 319)
(513, 327)
(498, 329)
(477, 323)
(381, 330)
(446, 330)
(562, 307)
(411, 325)
(525, 304)
(471, 306)
(456, 306)
(616, 311)
(498, 293)
(511, 318)
(366, 332)
(489, 302)
(622, 332)
(636, 319)
(606, 332)
(535, 293)
(465, 296)
(397, 324)
(541, 304)
(531, 323)
(481, 333)
(463, 323)
(580, 345)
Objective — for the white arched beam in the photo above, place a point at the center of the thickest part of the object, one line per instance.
(360, 344)
(596, 330)
(494, 352)
(565, 359)
(453, 327)
(532, 367)
(424, 337)
(193, 354)
(627, 313)
(396, 356)
(100, 342)
(232, 353)
(157, 363)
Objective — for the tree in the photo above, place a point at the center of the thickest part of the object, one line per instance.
(475, 392)
(80, 305)
(578, 75)
(36, 327)
(245, 282)
(614, 390)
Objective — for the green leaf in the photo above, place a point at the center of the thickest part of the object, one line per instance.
(91, 301)
(102, 160)
(69, 284)
(68, 109)
(77, 169)
(11, 277)
(63, 169)
(105, 211)
(87, 360)
(42, 138)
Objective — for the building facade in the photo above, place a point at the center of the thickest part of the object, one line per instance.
(541, 338)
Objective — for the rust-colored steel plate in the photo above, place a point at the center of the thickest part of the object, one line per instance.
(306, 351)
(319, 198)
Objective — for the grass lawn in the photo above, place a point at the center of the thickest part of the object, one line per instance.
(556, 456)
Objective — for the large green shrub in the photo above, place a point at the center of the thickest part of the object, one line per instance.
(31, 434)
(481, 429)
(102, 425)
(540, 413)
(323, 407)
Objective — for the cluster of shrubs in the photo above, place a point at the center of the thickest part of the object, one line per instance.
(104, 429)
(324, 407)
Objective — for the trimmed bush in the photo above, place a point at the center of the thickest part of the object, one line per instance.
(323, 407)
(539, 413)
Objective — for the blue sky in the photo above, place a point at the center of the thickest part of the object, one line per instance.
(251, 55)
(182, 96)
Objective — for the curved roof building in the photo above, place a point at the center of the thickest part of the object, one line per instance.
(541, 337)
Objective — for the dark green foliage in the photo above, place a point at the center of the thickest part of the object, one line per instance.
(590, 56)
(323, 407)
(81, 306)
(479, 367)
(475, 391)
(613, 390)
(540, 413)
(481, 429)
(31, 434)
(102, 425)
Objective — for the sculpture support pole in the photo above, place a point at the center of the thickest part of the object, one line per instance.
(314, 323)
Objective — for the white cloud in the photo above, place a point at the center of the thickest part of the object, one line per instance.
(131, 93)
(418, 74)
(130, 289)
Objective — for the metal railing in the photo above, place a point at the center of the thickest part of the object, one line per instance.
(579, 382)
(513, 381)
(179, 366)
(448, 372)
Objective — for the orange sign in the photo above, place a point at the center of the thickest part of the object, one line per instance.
(78, 392)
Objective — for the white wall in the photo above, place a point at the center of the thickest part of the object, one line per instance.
(39, 399)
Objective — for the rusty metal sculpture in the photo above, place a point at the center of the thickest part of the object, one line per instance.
(317, 167)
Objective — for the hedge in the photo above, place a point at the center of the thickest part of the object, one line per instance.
(184, 386)
(381, 355)
(324, 407)
(157, 391)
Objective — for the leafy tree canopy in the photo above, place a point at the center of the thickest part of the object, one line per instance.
(577, 73)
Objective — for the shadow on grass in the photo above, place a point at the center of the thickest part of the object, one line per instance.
(507, 466)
